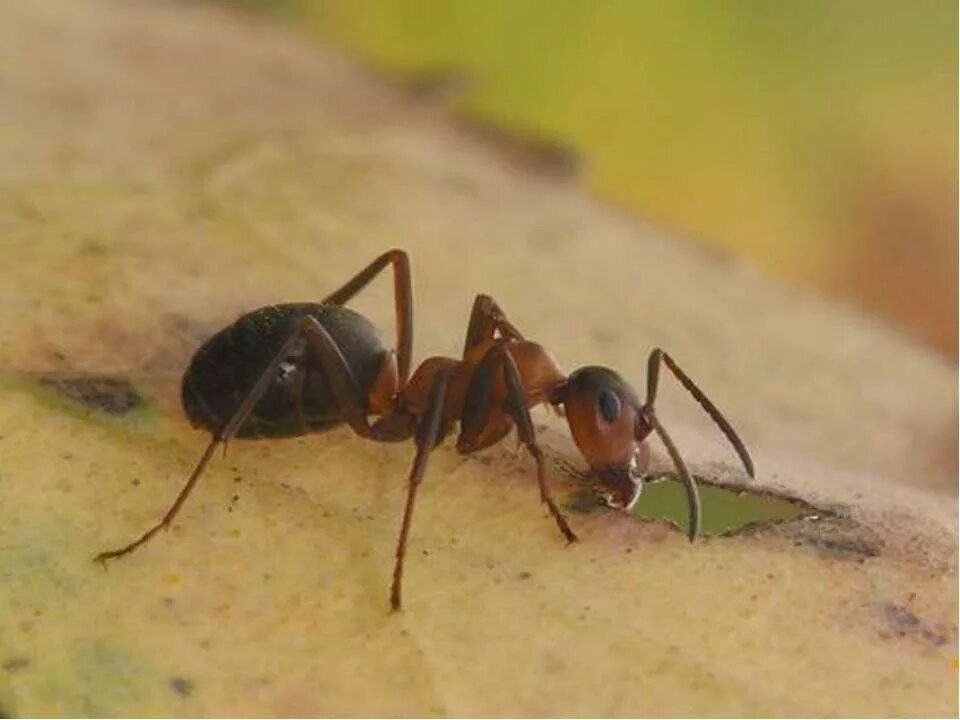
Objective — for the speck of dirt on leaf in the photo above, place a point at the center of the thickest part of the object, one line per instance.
(110, 395)
(181, 686)
(900, 618)
(15, 663)
(527, 152)
(903, 622)
(437, 86)
(836, 537)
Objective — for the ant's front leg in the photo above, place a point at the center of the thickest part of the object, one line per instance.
(480, 427)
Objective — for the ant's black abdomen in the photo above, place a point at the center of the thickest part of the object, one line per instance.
(228, 365)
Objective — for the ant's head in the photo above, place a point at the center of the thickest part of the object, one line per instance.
(608, 424)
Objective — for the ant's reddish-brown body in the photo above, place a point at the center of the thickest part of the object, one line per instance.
(286, 370)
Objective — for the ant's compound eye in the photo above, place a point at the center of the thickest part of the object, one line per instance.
(609, 405)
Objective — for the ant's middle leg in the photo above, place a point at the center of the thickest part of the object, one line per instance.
(429, 433)
(486, 317)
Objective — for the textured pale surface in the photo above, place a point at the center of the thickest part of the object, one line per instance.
(165, 167)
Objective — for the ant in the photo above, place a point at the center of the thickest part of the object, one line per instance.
(286, 370)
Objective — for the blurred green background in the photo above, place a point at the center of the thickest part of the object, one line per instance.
(815, 138)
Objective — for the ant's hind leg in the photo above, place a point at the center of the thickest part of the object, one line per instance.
(341, 382)
(223, 435)
(402, 300)
(353, 405)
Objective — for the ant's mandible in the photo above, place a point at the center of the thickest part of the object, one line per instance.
(286, 370)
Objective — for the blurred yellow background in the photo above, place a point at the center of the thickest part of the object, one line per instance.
(818, 139)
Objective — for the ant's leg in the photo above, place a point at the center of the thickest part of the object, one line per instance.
(427, 436)
(402, 300)
(343, 384)
(476, 416)
(653, 377)
(481, 424)
(341, 381)
(226, 432)
(486, 317)
(521, 415)
(297, 384)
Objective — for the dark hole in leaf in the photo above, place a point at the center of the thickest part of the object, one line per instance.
(181, 686)
(111, 395)
(15, 663)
